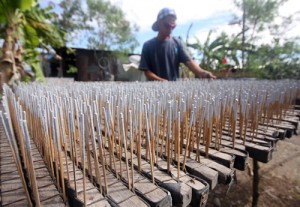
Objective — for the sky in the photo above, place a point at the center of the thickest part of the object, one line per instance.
(204, 15)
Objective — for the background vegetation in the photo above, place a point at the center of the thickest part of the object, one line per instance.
(25, 27)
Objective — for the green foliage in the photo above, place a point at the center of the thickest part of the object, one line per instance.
(39, 76)
(8, 7)
(30, 28)
(49, 34)
(276, 60)
(113, 31)
(72, 69)
(73, 19)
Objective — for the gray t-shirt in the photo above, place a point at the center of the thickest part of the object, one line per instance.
(163, 57)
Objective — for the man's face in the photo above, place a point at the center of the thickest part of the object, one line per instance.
(167, 25)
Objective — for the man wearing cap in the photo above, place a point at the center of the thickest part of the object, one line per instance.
(162, 54)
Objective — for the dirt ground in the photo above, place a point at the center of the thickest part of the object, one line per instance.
(279, 181)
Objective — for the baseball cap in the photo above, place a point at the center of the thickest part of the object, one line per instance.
(162, 14)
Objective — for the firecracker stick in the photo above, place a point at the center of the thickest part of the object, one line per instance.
(148, 141)
(51, 139)
(131, 147)
(198, 135)
(101, 151)
(118, 140)
(233, 123)
(18, 128)
(120, 152)
(72, 147)
(75, 134)
(210, 128)
(175, 131)
(95, 153)
(217, 122)
(246, 123)
(55, 153)
(111, 116)
(152, 139)
(140, 125)
(83, 154)
(178, 145)
(59, 149)
(110, 144)
(48, 143)
(169, 137)
(185, 129)
(125, 150)
(152, 142)
(192, 144)
(15, 154)
(191, 134)
(63, 140)
(78, 131)
(30, 162)
(188, 140)
(173, 134)
(87, 142)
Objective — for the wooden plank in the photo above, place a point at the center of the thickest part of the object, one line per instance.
(144, 188)
(199, 187)
(181, 193)
(113, 183)
(220, 157)
(12, 191)
(46, 187)
(93, 196)
(10, 198)
(201, 171)
(260, 153)
(241, 157)
(53, 202)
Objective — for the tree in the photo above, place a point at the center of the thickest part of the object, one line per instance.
(113, 31)
(101, 26)
(73, 19)
(277, 62)
(26, 28)
(279, 58)
(99, 22)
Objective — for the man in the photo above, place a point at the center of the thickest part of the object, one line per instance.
(162, 55)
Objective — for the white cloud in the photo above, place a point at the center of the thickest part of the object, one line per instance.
(144, 12)
(289, 8)
(214, 13)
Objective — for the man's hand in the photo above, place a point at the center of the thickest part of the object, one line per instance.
(195, 68)
(209, 75)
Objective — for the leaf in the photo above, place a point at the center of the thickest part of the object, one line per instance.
(31, 35)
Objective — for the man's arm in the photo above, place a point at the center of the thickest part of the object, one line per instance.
(152, 76)
(195, 68)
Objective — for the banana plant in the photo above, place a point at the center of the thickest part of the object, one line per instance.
(214, 52)
(24, 25)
